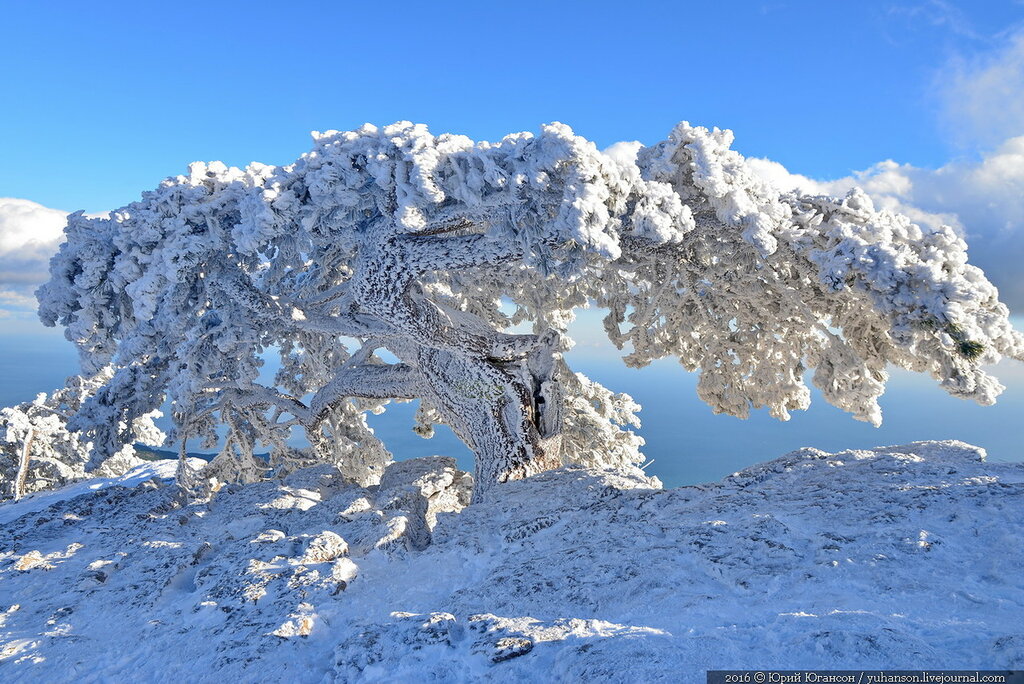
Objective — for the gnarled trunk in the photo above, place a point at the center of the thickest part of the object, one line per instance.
(492, 408)
(490, 387)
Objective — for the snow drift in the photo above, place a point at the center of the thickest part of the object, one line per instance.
(899, 557)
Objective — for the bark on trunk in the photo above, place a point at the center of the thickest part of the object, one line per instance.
(492, 409)
(21, 480)
(492, 388)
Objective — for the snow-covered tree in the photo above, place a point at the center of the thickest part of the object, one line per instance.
(388, 263)
(37, 451)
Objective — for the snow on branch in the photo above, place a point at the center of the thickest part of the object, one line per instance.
(413, 241)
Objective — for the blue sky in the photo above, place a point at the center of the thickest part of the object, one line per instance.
(103, 100)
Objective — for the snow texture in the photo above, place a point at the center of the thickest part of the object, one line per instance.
(394, 239)
(899, 557)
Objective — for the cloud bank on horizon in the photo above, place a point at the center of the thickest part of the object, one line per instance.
(29, 235)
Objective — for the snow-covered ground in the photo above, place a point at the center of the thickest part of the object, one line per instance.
(902, 557)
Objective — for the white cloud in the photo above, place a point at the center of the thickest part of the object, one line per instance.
(935, 14)
(29, 235)
(624, 152)
(15, 299)
(983, 96)
(984, 200)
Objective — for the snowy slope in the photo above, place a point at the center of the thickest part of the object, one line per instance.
(901, 557)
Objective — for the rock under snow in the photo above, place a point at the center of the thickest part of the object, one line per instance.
(899, 557)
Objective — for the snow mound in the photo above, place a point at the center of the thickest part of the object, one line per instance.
(899, 557)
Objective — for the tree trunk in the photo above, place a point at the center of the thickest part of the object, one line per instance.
(493, 410)
(21, 479)
(488, 385)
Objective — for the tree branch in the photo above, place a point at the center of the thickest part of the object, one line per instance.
(369, 381)
(431, 253)
(350, 325)
(240, 288)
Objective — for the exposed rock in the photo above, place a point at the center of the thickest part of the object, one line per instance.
(445, 488)
(325, 547)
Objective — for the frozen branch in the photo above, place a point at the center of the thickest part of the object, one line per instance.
(413, 242)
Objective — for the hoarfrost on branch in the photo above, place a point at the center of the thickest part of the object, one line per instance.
(432, 247)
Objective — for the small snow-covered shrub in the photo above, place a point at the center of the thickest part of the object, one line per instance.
(37, 451)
